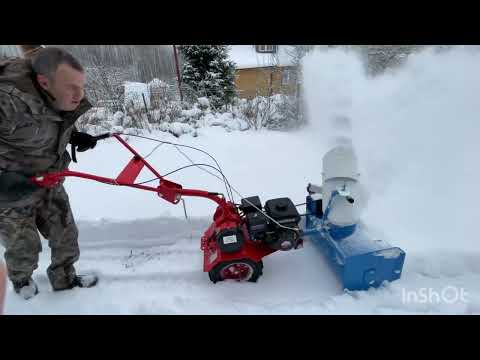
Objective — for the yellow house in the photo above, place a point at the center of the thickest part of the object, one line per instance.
(263, 70)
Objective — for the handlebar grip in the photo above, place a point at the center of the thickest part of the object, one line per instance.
(103, 136)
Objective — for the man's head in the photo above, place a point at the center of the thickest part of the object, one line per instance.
(59, 73)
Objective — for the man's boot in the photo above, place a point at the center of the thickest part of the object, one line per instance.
(26, 288)
(81, 281)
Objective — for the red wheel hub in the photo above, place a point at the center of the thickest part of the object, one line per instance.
(237, 271)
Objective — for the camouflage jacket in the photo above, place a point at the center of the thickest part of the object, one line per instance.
(33, 135)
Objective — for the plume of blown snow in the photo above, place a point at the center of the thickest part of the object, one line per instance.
(415, 130)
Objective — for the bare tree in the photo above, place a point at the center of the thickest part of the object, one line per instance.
(8, 51)
(267, 110)
(109, 66)
(296, 54)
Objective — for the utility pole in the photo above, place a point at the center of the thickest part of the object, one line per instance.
(179, 80)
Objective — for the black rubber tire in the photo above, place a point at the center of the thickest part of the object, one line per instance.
(215, 273)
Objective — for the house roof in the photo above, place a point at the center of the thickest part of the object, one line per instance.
(246, 57)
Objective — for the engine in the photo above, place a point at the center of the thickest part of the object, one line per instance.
(280, 229)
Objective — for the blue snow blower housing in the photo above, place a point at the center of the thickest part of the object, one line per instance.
(332, 224)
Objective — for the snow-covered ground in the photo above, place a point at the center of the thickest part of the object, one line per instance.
(415, 132)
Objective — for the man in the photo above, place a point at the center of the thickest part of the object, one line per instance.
(41, 97)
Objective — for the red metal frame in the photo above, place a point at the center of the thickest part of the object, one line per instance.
(168, 190)
(212, 255)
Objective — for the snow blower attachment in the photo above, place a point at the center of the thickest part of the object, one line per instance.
(238, 238)
(332, 224)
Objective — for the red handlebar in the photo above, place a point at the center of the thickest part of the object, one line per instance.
(168, 190)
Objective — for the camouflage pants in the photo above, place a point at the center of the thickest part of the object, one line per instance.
(52, 216)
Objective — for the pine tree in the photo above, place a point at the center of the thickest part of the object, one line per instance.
(208, 72)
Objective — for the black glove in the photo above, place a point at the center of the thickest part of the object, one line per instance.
(15, 186)
(83, 141)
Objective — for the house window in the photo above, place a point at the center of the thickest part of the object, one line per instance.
(266, 48)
